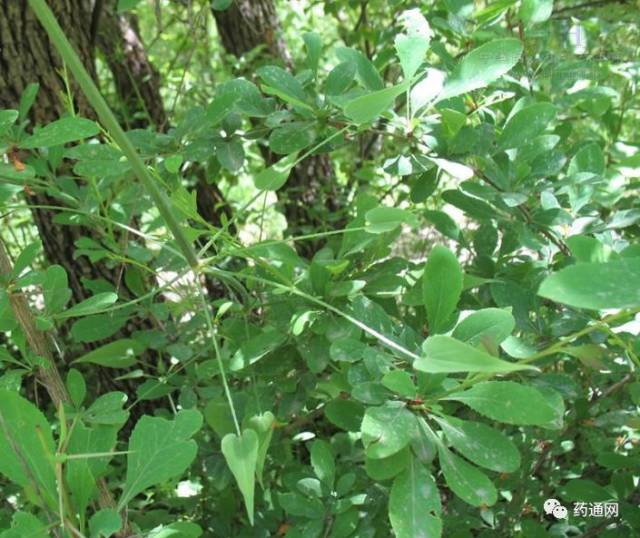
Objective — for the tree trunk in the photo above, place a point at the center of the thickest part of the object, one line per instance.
(27, 56)
(248, 24)
(136, 80)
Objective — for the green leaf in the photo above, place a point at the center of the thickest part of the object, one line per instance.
(589, 158)
(76, 386)
(441, 288)
(60, 132)
(160, 450)
(489, 325)
(443, 223)
(481, 444)
(221, 5)
(366, 108)
(274, 177)
(55, 289)
(7, 119)
(256, 348)
(27, 448)
(244, 95)
(584, 490)
(25, 258)
(173, 163)
(414, 503)
(263, 425)
(387, 429)
(230, 154)
(413, 45)
(386, 468)
(291, 138)
(119, 354)
(92, 305)
(443, 354)
(588, 249)
(107, 409)
(525, 125)
(241, 455)
(400, 382)
(25, 525)
(221, 106)
(482, 66)
(218, 416)
(345, 414)
(297, 505)
(596, 286)
(455, 170)
(284, 85)
(535, 11)
(105, 523)
(507, 401)
(367, 73)
(81, 473)
(322, 461)
(14, 178)
(385, 219)
(313, 43)
(126, 5)
(474, 207)
(340, 78)
(27, 99)
(465, 480)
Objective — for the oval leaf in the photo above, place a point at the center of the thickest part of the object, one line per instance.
(481, 444)
(443, 354)
(274, 177)
(525, 125)
(465, 480)
(482, 66)
(385, 219)
(92, 305)
(596, 286)
(492, 325)
(507, 401)
(60, 132)
(366, 108)
(414, 503)
(441, 288)
(387, 429)
(119, 354)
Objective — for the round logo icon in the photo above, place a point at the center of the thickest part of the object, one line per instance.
(560, 512)
(550, 505)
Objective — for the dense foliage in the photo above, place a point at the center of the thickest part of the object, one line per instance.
(373, 272)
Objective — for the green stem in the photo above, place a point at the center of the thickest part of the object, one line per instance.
(216, 347)
(109, 121)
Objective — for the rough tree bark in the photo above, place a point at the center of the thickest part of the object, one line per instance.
(245, 25)
(27, 56)
(136, 80)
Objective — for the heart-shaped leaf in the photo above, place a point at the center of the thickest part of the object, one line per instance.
(241, 454)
